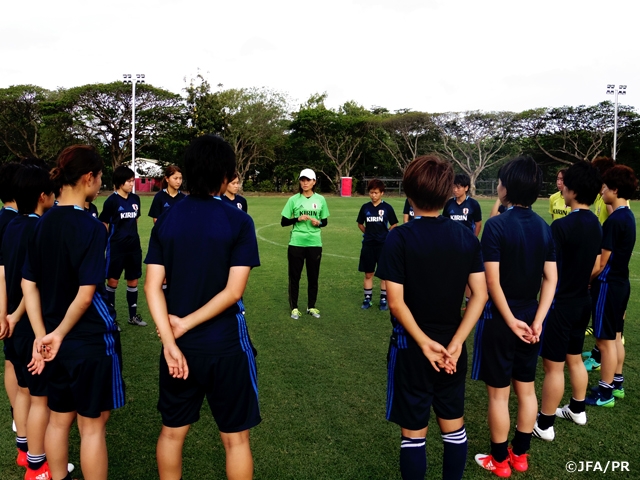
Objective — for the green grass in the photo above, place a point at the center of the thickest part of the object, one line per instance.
(323, 381)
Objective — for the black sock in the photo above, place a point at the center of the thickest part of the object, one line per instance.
(111, 295)
(368, 293)
(413, 458)
(546, 421)
(576, 406)
(36, 461)
(606, 390)
(383, 295)
(521, 442)
(132, 300)
(596, 355)
(618, 380)
(21, 444)
(499, 451)
(455, 453)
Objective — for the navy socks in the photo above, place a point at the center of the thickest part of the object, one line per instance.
(413, 458)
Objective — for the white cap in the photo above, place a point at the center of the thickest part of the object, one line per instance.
(308, 173)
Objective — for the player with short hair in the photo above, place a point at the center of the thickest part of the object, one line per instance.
(520, 262)
(170, 193)
(375, 219)
(120, 214)
(407, 212)
(577, 237)
(205, 248)
(461, 207)
(63, 287)
(610, 286)
(231, 194)
(307, 211)
(557, 207)
(427, 359)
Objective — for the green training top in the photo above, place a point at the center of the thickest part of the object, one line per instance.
(304, 234)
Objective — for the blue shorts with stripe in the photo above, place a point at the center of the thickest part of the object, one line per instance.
(499, 356)
(413, 385)
(609, 302)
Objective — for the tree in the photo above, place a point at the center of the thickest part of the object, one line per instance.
(339, 134)
(101, 113)
(475, 140)
(20, 119)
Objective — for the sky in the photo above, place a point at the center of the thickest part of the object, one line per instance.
(422, 55)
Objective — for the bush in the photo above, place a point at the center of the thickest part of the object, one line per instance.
(266, 186)
(248, 186)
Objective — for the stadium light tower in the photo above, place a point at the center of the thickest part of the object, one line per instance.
(613, 90)
(131, 79)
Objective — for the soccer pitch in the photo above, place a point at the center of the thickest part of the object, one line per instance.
(322, 382)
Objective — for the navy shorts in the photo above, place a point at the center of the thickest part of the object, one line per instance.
(413, 386)
(229, 383)
(609, 302)
(9, 350)
(130, 263)
(369, 256)
(563, 330)
(499, 355)
(88, 386)
(37, 384)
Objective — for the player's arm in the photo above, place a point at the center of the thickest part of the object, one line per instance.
(547, 292)
(157, 303)
(31, 297)
(495, 209)
(477, 227)
(405, 217)
(520, 328)
(599, 267)
(236, 283)
(4, 326)
(361, 227)
(479, 295)
(431, 349)
(14, 318)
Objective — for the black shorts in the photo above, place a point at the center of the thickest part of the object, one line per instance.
(37, 384)
(369, 256)
(229, 383)
(130, 262)
(563, 330)
(499, 355)
(9, 350)
(609, 302)
(413, 386)
(88, 386)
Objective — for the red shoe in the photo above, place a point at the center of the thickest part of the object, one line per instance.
(42, 473)
(22, 458)
(501, 469)
(518, 462)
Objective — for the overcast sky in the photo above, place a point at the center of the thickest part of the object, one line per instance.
(429, 55)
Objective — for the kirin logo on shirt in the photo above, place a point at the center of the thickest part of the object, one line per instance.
(465, 211)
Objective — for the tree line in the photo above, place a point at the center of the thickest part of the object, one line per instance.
(273, 140)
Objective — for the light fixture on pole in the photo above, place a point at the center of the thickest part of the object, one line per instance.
(613, 90)
(138, 78)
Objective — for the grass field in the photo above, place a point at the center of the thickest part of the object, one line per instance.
(323, 381)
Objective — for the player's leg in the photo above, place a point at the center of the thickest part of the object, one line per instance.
(552, 392)
(169, 452)
(56, 442)
(618, 378)
(313, 256)
(22, 402)
(499, 421)
(93, 446)
(413, 454)
(36, 429)
(609, 353)
(383, 295)
(10, 383)
(132, 272)
(368, 290)
(295, 256)
(454, 438)
(527, 412)
(239, 463)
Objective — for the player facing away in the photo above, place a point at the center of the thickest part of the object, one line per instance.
(205, 248)
(170, 193)
(307, 211)
(63, 287)
(557, 207)
(519, 256)
(427, 360)
(461, 207)
(120, 214)
(577, 240)
(8, 212)
(610, 286)
(231, 194)
(375, 219)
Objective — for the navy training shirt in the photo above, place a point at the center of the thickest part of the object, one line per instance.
(522, 242)
(619, 237)
(121, 214)
(92, 210)
(6, 215)
(162, 202)
(468, 213)
(239, 201)
(376, 221)
(432, 257)
(408, 209)
(65, 252)
(12, 255)
(577, 237)
(197, 241)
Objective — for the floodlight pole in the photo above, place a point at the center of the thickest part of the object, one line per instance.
(613, 90)
(138, 78)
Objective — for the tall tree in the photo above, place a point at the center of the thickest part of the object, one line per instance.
(20, 119)
(475, 140)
